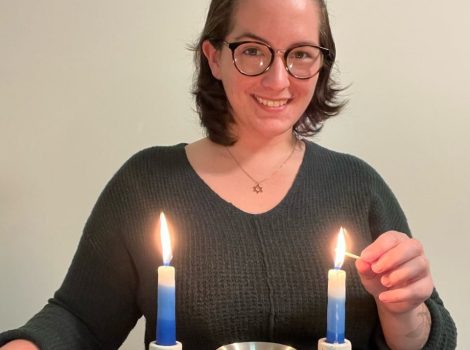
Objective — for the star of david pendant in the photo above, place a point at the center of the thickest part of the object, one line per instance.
(258, 189)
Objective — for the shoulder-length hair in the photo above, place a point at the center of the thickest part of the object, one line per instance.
(212, 104)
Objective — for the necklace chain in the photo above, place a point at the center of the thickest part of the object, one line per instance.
(257, 188)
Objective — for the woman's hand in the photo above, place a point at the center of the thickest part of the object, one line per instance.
(396, 272)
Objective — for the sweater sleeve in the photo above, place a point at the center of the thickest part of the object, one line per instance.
(386, 214)
(95, 308)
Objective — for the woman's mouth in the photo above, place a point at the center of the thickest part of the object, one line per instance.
(271, 103)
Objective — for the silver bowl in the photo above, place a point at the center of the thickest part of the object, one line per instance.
(255, 345)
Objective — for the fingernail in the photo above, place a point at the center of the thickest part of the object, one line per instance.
(383, 298)
(385, 281)
(376, 268)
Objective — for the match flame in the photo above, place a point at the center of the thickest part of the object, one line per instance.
(165, 237)
(340, 249)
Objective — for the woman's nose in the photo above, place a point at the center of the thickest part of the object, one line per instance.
(276, 77)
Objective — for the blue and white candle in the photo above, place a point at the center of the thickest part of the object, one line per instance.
(166, 321)
(337, 295)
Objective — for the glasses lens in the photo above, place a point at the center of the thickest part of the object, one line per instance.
(252, 58)
(304, 61)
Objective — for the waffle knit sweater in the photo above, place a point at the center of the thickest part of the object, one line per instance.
(239, 276)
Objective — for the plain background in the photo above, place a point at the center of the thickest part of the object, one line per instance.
(85, 84)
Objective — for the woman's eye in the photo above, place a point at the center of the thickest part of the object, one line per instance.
(252, 51)
(301, 55)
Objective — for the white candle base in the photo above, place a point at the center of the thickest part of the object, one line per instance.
(155, 346)
(323, 345)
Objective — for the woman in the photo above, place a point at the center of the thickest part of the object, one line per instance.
(254, 209)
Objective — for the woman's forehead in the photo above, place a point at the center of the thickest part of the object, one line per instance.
(277, 21)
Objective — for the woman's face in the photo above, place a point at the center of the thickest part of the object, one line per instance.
(270, 104)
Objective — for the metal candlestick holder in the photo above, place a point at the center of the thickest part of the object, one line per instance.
(255, 345)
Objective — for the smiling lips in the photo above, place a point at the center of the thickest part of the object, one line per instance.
(271, 103)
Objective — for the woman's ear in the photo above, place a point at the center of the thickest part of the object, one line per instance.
(213, 58)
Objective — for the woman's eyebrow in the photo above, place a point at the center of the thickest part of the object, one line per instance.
(249, 35)
(252, 36)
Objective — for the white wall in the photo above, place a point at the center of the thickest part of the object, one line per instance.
(84, 84)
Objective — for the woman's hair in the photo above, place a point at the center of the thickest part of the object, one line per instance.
(212, 104)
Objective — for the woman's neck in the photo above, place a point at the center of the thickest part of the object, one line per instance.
(248, 147)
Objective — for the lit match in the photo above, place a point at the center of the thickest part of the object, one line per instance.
(351, 255)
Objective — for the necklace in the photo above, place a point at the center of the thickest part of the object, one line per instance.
(257, 188)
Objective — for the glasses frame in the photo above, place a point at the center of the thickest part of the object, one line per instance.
(234, 44)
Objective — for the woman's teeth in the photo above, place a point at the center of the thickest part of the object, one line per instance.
(271, 103)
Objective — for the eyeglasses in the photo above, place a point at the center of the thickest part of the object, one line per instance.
(253, 58)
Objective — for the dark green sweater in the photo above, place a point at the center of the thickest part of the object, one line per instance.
(240, 276)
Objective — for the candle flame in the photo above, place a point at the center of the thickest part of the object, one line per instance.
(340, 249)
(165, 237)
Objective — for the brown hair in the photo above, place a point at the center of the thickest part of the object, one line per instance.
(211, 102)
